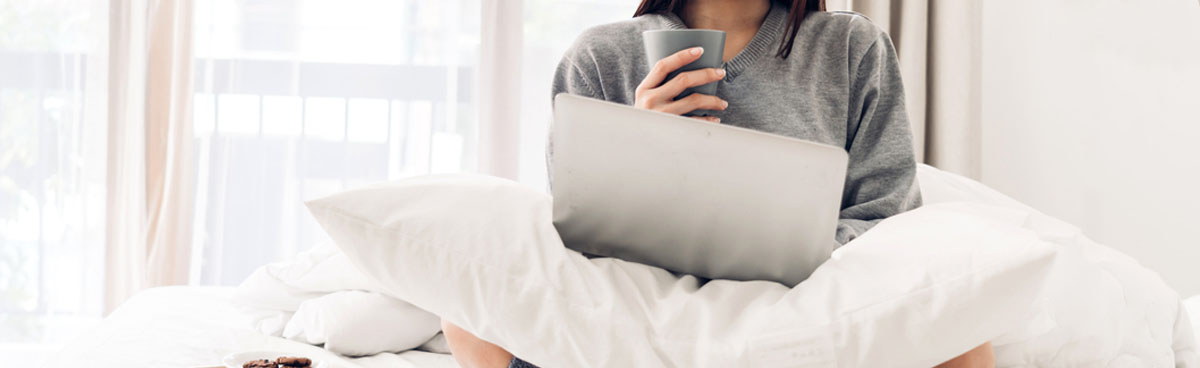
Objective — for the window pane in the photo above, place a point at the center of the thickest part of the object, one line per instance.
(282, 115)
(325, 118)
(550, 28)
(237, 114)
(52, 152)
(368, 121)
(314, 97)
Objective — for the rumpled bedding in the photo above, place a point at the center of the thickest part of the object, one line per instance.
(1192, 305)
(321, 299)
(1098, 308)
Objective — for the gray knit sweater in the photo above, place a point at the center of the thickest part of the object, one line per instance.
(840, 86)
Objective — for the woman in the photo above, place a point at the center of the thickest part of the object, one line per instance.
(791, 68)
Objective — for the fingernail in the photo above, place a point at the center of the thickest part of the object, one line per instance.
(696, 50)
(724, 104)
(717, 120)
(721, 73)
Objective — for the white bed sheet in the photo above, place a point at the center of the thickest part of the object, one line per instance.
(197, 327)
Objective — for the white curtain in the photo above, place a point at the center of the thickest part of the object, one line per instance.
(149, 146)
(499, 73)
(548, 28)
(224, 116)
(52, 180)
(296, 99)
(939, 44)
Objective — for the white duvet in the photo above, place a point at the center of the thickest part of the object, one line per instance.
(1102, 308)
(1097, 307)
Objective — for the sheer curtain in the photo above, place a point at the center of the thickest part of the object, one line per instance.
(149, 146)
(180, 149)
(299, 99)
(52, 162)
(549, 28)
(295, 99)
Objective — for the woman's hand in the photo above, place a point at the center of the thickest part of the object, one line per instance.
(653, 94)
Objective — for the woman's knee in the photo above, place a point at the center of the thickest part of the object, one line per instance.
(980, 357)
(471, 351)
(453, 332)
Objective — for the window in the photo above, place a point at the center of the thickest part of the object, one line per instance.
(293, 99)
(550, 28)
(299, 99)
(52, 152)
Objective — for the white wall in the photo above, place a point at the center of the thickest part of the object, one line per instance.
(1091, 113)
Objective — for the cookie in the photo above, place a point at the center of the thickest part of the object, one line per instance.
(293, 361)
(260, 363)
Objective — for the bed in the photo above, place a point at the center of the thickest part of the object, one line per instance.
(198, 326)
(183, 326)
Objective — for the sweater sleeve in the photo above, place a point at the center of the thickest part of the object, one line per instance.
(570, 78)
(881, 178)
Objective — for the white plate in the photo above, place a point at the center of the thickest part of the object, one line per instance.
(236, 360)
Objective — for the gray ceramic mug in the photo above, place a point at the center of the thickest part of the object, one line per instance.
(662, 43)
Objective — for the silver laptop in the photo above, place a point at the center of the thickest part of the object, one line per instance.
(690, 196)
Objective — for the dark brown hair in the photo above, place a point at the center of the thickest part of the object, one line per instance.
(798, 9)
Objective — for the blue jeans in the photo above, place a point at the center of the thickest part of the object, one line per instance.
(518, 363)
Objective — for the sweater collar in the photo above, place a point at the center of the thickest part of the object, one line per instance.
(767, 37)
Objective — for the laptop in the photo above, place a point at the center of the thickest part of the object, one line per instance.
(690, 196)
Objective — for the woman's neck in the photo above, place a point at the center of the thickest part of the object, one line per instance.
(739, 19)
(725, 15)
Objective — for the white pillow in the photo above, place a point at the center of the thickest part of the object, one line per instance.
(360, 323)
(1193, 309)
(481, 252)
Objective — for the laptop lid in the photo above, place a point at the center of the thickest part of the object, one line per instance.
(712, 200)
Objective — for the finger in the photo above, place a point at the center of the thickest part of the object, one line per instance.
(659, 72)
(689, 79)
(694, 102)
(667, 92)
(711, 119)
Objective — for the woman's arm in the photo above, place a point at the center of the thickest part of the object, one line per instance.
(881, 180)
(570, 78)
